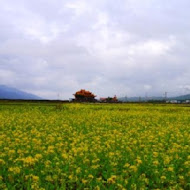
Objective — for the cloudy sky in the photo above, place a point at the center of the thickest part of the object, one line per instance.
(123, 47)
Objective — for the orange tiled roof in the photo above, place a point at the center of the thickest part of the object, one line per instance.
(83, 92)
(115, 98)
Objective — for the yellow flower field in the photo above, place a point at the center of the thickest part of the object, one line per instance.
(94, 146)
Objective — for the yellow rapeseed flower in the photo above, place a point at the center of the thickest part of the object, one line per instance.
(163, 178)
(133, 168)
(84, 181)
(170, 169)
(112, 179)
(14, 170)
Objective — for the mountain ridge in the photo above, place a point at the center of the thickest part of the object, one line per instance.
(155, 98)
(7, 92)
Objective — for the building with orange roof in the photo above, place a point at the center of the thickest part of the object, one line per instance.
(84, 96)
(109, 99)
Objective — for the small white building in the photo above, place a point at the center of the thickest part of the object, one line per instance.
(173, 101)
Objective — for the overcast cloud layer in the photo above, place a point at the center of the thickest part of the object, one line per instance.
(123, 47)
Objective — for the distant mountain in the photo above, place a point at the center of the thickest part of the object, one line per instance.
(13, 93)
(183, 97)
(154, 98)
(140, 99)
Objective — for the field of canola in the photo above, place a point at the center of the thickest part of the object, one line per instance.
(94, 146)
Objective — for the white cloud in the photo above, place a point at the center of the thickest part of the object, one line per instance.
(150, 47)
(79, 7)
(147, 87)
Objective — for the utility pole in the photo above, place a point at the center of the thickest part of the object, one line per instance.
(165, 95)
(125, 98)
(146, 97)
